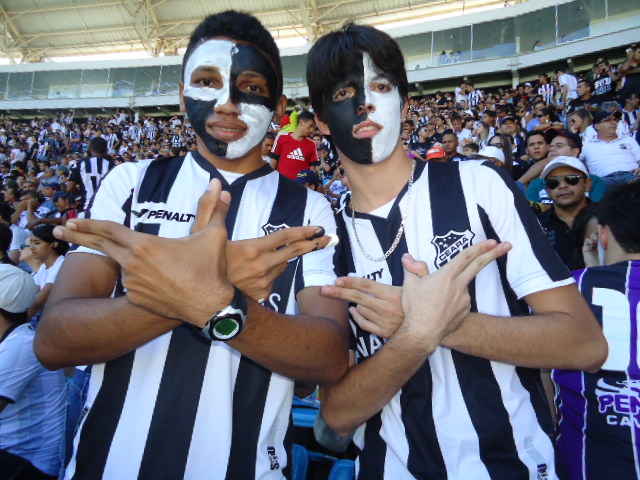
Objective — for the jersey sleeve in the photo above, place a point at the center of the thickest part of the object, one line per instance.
(18, 364)
(318, 268)
(75, 175)
(532, 263)
(112, 200)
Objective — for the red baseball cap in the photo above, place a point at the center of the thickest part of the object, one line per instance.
(435, 152)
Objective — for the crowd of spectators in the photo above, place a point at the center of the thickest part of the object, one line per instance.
(564, 139)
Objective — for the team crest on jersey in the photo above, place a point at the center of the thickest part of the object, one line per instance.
(450, 245)
(268, 229)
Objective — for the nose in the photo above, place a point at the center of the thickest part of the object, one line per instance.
(366, 108)
(227, 107)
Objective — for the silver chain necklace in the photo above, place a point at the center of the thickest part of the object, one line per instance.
(396, 241)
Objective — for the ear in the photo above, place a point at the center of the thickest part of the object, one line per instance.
(587, 183)
(603, 236)
(281, 107)
(322, 126)
(182, 107)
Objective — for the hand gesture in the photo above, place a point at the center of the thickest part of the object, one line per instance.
(182, 278)
(435, 305)
(590, 251)
(254, 264)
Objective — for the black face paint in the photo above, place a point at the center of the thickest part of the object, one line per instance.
(239, 64)
(343, 116)
(198, 112)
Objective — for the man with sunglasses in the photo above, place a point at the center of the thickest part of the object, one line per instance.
(567, 183)
(610, 156)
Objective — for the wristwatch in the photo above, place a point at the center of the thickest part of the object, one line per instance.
(228, 322)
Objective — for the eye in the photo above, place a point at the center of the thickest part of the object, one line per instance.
(344, 94)
(381, 87)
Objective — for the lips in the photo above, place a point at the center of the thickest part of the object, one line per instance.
(227, 131)
(366, 129)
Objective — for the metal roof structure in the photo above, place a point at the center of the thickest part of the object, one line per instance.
(34, 30)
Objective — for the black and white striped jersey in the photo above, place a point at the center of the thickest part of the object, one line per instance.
(545, 90)
(89, 173)
(458, 417)
(473, 98)
(179, 406)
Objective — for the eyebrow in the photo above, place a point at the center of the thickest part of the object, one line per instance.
(206, 68)
(252, 74)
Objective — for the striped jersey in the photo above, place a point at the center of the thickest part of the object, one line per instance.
(473, 98)
(180, 406)
(89, 173)
(599, 413)
(545, 90)
(458, 417)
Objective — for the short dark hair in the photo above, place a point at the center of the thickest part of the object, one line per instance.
(620, 211)
(533, 133)
(98, 146)
(236, 26)
(335, 51)
(306, 116)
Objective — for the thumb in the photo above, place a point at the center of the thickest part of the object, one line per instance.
(220, 211)
(206, 205)
(410, 278)
(421, 269)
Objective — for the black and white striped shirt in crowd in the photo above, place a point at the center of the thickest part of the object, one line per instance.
(458, 417)
(89, 173)
(181, 407)
(473, 98)
(546, 92)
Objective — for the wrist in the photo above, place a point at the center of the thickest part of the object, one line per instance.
(213, 304)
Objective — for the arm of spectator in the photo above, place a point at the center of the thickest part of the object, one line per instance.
(434, 306)
(534, 171)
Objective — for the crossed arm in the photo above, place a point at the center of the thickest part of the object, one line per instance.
(80, 325)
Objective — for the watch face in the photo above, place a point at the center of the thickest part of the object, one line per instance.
(226, 328)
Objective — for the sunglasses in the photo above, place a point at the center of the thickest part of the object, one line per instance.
(553, 182)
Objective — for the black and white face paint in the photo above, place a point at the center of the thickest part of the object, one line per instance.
(364, 113)
(219, 71)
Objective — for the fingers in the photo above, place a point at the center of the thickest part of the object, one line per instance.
(207, 205)
(112, 231)
(456, 266)
(421, 269)
(366, 285)
(95, 241)
(350, 295)
(481, 260)
(288, 236)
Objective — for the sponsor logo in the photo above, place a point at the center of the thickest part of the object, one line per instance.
(450, 245)
(268, 228)
(368, 344)
(273, 458)
(375, 276)
(619, 401)
(164, 215)
(297, 154)
(542, 472)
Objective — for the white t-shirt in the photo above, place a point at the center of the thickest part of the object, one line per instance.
(572, 83)
(32, 425)
(46, 275)
(604, 158)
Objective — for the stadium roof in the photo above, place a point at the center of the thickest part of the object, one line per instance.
(35, 30)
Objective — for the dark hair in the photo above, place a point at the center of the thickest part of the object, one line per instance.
(472, 146)
(620, 211)
(334, 52)
(507, 149)
(306, 116)
(533, 133)
(45, 233)
(270, 135)
(489, 113)
(236, 26)
(6, 235)
(6, 211)
(98, 146)
(586, 82)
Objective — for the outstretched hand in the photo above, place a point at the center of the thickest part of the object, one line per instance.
(182, 278)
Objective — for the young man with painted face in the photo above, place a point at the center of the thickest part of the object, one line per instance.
(192, 375)
(436, 396)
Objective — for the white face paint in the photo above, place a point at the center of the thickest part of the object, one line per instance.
(219, 55)
(388, 112)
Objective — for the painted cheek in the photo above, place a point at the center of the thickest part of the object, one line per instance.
(198, 112)
(342, 117)
(388, 113)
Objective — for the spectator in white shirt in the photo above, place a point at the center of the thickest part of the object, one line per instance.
(609, 156)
